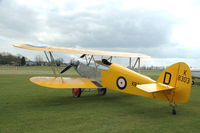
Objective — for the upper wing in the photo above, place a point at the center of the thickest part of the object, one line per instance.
(58, 82)
(154, 87)
(77, 51)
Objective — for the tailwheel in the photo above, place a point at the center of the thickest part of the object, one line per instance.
(174, 111)
(76, 92)
(102, 91)
(173, 105)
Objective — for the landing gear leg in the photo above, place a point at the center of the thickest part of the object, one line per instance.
(173, 105)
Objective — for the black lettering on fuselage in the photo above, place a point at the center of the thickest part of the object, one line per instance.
(134, 84)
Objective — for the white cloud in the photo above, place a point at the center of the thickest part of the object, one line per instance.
(187, 35)
(158, 28)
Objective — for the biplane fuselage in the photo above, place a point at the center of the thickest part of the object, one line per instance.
(122, 79)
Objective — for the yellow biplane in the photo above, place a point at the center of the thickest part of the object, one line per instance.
(173, 84)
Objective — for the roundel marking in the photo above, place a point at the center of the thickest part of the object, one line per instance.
(121, 83)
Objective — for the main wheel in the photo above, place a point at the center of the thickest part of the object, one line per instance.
(76, 92)
(102, 91)
(192, 82)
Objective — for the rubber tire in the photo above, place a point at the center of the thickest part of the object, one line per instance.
(76, 92)
(173, 111)
(192, 82)
(102, 91)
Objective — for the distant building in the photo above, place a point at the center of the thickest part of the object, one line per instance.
(31, 63)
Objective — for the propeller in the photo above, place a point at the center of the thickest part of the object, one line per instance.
(82, 55)
(73, 63)
(66, 68)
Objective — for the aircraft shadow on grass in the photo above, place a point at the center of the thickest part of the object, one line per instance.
(135, 104)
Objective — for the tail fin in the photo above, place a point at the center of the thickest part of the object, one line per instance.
(178, 76)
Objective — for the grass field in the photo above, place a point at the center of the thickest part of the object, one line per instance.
(28, 108)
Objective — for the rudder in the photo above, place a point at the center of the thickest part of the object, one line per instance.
(178, 76)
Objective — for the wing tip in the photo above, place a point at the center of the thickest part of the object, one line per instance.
(30, 46)
(16, 45)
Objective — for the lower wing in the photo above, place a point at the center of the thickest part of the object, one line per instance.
(59, 82)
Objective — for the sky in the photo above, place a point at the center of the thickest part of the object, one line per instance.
(166, 30)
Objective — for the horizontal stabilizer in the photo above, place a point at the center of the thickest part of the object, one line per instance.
(154, 87)
(58, 82)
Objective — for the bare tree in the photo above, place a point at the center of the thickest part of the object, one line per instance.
(59, 61)
(39, 60)
(23, 61)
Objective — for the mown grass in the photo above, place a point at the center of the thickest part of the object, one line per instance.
(28, 108)
(28, 70)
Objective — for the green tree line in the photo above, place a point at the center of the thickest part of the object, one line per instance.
(19, 60)
(7, 58)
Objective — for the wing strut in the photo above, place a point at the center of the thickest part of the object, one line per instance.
(52, 64)
(136, 62)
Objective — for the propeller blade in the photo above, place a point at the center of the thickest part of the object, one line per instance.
(66, 68)
(82, 55)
